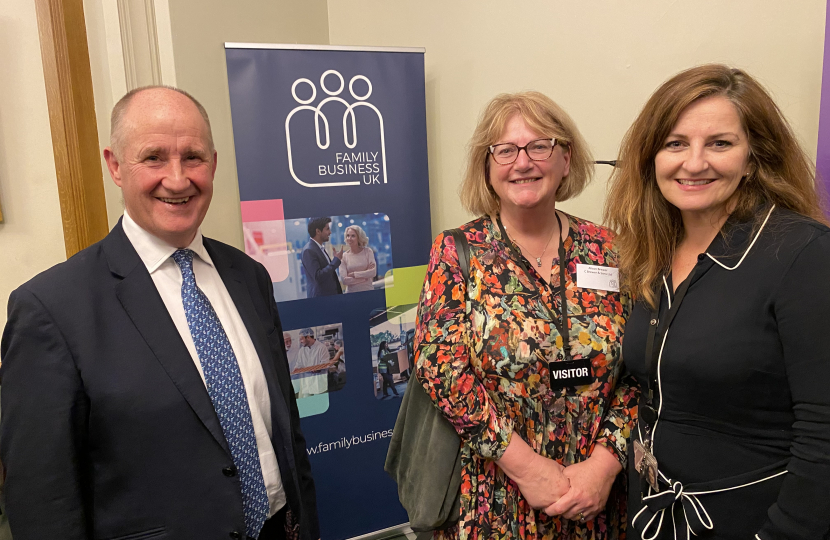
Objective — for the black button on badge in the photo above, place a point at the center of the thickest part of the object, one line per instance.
(229, 471)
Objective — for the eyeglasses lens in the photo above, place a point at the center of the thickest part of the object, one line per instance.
(538, 150)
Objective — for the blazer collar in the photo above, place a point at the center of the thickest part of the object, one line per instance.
(122, 258)
(728, 246)
(140, 299)
(143, 304)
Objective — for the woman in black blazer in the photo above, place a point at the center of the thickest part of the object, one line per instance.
(726, 251)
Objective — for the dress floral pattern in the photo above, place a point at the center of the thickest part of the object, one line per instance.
(485, 363)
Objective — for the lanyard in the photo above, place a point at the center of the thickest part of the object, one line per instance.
(562, 326)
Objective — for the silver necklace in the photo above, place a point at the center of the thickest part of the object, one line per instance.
(539, 258)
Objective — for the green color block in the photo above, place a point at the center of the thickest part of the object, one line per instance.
(407, 285)
(311, 405)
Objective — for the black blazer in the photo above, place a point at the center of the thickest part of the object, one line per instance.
(107, 430)
(743, 379)
(321, 274)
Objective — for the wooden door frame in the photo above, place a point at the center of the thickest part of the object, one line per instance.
(66, 70)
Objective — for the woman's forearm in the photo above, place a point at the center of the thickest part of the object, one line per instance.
(517, 459)
(540, 479)
(605, 461)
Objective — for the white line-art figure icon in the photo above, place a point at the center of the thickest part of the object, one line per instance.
(319, 117)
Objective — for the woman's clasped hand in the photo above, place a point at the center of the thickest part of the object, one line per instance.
(540, 479)
(590, 484)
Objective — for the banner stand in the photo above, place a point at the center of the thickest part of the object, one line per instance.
(331, 156)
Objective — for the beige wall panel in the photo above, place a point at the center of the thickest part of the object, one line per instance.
(200, 28)
(106, 64)
(31, 236)
(600, 60)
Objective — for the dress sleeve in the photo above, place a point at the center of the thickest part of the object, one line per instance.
(442, 356)
(622, 415)
(618, 422)
(802, 510)
(344, 271)
(369, 272)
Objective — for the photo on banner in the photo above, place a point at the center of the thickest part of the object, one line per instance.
(285, 248)
(392, 338)
(317, 363)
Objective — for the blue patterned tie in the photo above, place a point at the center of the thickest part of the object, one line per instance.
(227, 392)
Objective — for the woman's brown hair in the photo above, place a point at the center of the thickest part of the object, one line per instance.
(648, 227)
(543, 116)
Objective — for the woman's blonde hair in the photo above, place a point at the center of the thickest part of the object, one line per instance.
(543, 116)
(362, 239)
(648, 227)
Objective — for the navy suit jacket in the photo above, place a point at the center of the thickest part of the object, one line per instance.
(321, 274)
(107, 429)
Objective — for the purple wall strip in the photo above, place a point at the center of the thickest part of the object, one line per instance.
(823, 152)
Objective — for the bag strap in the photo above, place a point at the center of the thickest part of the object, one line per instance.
(463, 249)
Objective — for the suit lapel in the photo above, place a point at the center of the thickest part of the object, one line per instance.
(140, 299)
(235, 284)
(322, 253)
(326, 260)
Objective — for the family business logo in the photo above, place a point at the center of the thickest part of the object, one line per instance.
(354, 168)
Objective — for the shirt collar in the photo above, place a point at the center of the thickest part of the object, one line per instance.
(154, 251)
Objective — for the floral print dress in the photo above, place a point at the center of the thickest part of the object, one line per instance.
(483, 356)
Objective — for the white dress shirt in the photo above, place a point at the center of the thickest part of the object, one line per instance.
(157, 257)
(326, 253)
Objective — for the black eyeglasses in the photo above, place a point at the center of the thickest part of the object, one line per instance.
(507, 153)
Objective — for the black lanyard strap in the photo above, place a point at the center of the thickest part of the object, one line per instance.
(562, 326)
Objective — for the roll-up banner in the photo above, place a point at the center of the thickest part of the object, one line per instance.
(331, 155)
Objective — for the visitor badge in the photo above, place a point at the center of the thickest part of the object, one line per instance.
(589, 276)
(568, 373)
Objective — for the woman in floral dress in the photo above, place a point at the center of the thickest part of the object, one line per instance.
(543, 411)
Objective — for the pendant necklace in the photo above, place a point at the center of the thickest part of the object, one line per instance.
(539, 258)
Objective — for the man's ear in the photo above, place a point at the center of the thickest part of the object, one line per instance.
(213, 169)
(113, 165)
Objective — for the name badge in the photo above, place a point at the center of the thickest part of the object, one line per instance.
(604, 278)
(570, 373)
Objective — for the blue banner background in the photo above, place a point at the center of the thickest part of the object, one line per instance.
(355, 496)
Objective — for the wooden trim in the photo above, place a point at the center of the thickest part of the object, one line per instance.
(65, 55)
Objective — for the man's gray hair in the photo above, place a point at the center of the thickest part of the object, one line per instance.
(306, 332)
(117, 118)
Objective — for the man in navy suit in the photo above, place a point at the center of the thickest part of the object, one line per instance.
(145, 389)
(320, 269)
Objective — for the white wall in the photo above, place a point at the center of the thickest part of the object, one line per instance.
(31, 237)
(600, 60)
(200, 28)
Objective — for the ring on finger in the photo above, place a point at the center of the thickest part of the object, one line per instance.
(581, 517)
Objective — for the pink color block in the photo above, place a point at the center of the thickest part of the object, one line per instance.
(268, 210)
(263, 229)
